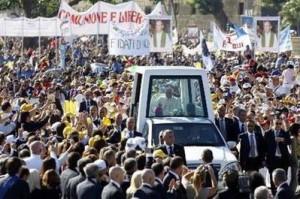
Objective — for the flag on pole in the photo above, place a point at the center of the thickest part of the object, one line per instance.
(239, 31)
(285, 40)
(174, 36)
(207, 62)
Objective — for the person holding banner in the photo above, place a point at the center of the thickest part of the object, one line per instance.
(268, 38)
(160, 38)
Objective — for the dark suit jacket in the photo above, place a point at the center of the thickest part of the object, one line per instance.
(65, 176)
(178, 151)
(83, 107)
(89, 189)
(20, 190)
(232, 194)
(146, 192)
(111, 191)
(70, 192)
(180, 192)
(284, 192)
(159, 188)
(236, 126)
(232, 135)
(245, 148)
(125, 133)
(115, 136)
(271, 146)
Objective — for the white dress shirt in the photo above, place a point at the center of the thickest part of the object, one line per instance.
(116, 183)
(34, 162)
(255, 145)
(175, 174)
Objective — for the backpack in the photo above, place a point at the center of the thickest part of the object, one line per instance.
(7, 184)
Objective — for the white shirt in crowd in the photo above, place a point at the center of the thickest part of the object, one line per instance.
(289, 76)
(252, 136)
(34, 162)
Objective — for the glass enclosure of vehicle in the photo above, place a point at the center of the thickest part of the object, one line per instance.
(173, 96)
(190, 134)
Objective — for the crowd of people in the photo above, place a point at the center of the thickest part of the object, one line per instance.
(64, 132)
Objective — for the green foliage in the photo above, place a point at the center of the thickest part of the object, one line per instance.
(291, 13)
(5, 4)
(275, 5)
(209, 6)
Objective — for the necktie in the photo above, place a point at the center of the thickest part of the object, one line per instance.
(243, 128)
(131, 134)
(171, 152)
(222, 128)
(252, 145)
(88, 105)
(278, 152)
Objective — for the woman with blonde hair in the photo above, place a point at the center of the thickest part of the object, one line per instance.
(135, 183)
(194, 183)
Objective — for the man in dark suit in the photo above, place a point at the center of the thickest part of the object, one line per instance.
(11, 186)
(130, 167)
(240, 122)
(174, 174)
(170, 148)
(277, 154)
(91, 187)
(283, 189)
(146, 191)
(252, 151)
(70, 172)
(70, 192)
(113, 190)
(129, 131)
(115, 133)
(226, 125)
(87, 103)
(158, 186)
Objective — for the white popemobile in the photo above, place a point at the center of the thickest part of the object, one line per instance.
(178, 98)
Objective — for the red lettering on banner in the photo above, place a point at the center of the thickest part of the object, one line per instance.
(130, 16)
(113, 16)
(102, 17)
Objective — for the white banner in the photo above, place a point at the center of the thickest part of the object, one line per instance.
(230, 42)
(130, 43)
(25, 27)
(97, 18)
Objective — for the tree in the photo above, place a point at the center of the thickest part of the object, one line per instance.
(273, 6)
(291, 14)
(213, 7)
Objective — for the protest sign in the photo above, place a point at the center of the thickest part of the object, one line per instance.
(129, 42)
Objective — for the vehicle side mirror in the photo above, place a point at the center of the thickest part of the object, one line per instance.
(231, 144)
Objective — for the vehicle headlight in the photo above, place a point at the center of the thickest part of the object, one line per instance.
(229, 167)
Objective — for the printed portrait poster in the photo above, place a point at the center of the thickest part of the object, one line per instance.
(267, 34)
(160, 34)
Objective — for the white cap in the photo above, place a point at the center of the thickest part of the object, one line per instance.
(246, 85)
(100, 164)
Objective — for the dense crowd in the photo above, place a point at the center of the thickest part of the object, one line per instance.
(65, 131)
